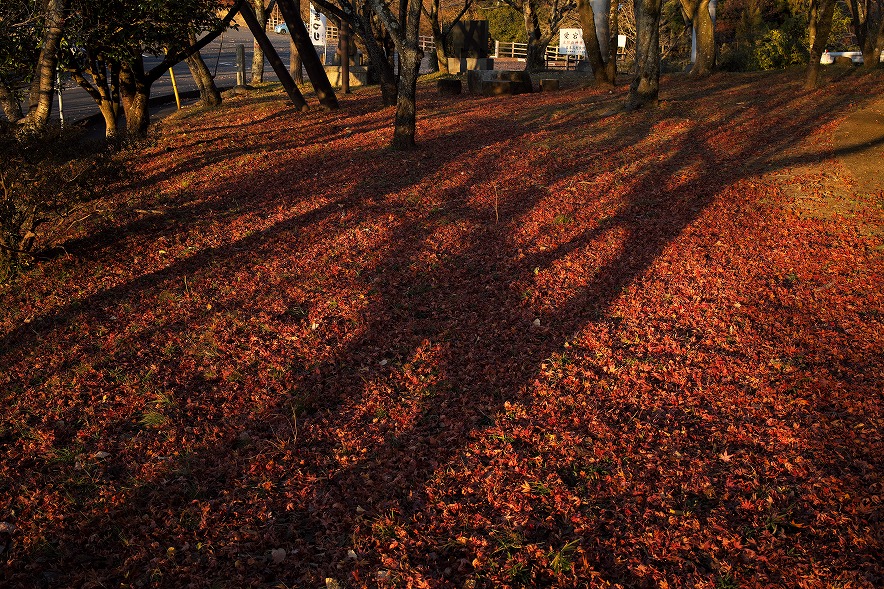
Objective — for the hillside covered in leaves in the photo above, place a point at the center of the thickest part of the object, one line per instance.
(559, 345)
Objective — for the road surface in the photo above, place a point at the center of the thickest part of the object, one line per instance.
(219, 55)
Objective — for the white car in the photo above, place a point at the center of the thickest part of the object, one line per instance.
(281, 29)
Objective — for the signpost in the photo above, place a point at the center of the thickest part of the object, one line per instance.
(571, 42)
(318, 29)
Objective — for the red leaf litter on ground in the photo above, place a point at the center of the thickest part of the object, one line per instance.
(559, 345)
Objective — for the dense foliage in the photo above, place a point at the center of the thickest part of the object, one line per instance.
(505, 23)
(560, 345)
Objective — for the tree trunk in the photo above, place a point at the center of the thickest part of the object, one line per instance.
(315, 70)
(405, 33)
(43, 84)
(818, 28)
(602, 13)
(613, 45)
(379, 54)
(115, 87)
(108, 112)
(535, 61)
(296, 67)
(209, 94)
(875, 43)
(106, 105)
(704, 35)
(645, 88)
(137, 113)
(441, 54)
(379, 58)
(278, 67)
(867, 22)
(406, 104)
(10, 104)
(100, 91)
(135, 93)
(258, 53)
(589, 21)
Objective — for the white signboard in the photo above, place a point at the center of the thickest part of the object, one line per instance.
(571, 42)
(621, 41)
(318, 26)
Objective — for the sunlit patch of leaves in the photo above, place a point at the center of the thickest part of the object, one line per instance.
(560, 561)
(153, 419)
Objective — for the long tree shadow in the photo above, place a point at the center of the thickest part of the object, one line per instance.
(446, 341)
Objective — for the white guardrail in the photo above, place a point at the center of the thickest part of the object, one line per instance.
(502, 49)
(855, 56)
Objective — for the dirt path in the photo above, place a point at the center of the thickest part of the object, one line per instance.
(861, 141)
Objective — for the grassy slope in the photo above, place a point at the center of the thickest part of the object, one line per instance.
(558, 345)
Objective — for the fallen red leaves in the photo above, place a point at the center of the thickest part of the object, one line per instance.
(558, 345)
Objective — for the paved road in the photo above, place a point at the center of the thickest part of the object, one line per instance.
(219, 55)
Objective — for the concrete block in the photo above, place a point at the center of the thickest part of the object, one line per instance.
(549, 85)
(457, 65)
(499, 88)
(449, 87)
(520, 78)
(359, 75)
(477, 81)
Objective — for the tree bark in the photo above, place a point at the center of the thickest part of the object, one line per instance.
(209, 94)
(258, 52)
(315, 70)
(867, 22)
(613, 45)
(405, 32)
(602, 13)
(440, 33)
(43, 84)
(100, 91)
(645, 88)
(296, 67)
(10, 104)
(406, 103)
(704, 32)
(116, 101)
(819, 27)
(875, 41)
(380, 59)
(362, 24)
(134, 94)
(135, 83)
(278, 67)
(435, 22)
(592, 36)
(441, 54)
(535, 60)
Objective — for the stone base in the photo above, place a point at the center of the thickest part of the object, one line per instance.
(499, 88)
(519, 82)
(359, 75)
(549, 85)
(457, 65)
(449, 87)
